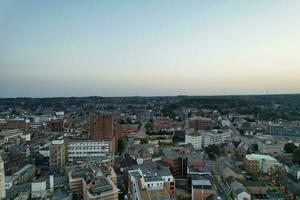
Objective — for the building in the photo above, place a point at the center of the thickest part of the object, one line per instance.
(255, 188)
(10, 136)
(176, 161)
(216, 136)
(269, 148)
(144, 153)
(101, 126)
(24, 175)
(56, 125)
(180, 163)
(257, 164)
(200, 123)
(85, 150)
(93, 182)
(202, 189)
(286, 130)
(150, 181)
(201, 139)
(2, 180)
(13, 124)
(166, 123)
(286, 185)
(57, 157)
(237, 189)
(196, 139)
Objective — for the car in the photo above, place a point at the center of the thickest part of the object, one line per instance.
(219, 197)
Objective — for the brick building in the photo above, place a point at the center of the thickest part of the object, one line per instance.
(101, 126)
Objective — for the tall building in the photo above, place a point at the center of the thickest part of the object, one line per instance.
(57, 157)
(101, 126)
(2, 180)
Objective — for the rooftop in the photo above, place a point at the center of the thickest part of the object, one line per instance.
(260, 157)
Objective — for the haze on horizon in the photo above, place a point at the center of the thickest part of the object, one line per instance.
(148, 48)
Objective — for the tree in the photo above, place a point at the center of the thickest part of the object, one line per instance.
(148, 127)
(290, 147)
(212, 151)
(254, 147)
(144, 141)
(122, 142)
(296, 156)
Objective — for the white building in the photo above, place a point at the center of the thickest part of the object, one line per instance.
(10, 135)
(151, 182)
(201, 139)
(265, 162)
(87, 149)
(2, 180)
(196, 139)
(216, 137)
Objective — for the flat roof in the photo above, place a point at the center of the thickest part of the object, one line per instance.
(259, 157)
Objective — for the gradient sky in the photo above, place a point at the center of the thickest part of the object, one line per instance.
(164, 47)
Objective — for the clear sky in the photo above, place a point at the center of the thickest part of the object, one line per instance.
(163, 47)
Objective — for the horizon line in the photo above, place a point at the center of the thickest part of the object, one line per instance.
(152, 96)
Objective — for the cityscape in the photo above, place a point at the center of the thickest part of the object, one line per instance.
(150, 100)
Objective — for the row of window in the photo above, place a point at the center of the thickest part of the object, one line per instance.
(91, 147)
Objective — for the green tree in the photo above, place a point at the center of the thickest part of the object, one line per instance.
(254, 147)
(290, 147)
(148, 127)
(144, 141)
(212, 151)
(296, 156)
(122, 142)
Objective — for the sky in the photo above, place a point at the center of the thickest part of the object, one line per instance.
(149, 48)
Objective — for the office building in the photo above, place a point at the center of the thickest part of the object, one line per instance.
(57, 157)
(88, 150)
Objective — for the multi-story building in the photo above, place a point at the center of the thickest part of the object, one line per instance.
(216, 137)
(201, 139)
(269, 148)
(166, 123)
(179, 162)
(93, 182)
(176, 162)
(202, 189)
(88, 149)
(285, 130)
(2, 180)
(12, 136)
(57, 157)
(13, 124)
(259, 164)
(150, 181)
(24, 175)
(56, 125)
(101, 126)
(195, 138)
(200, 123)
